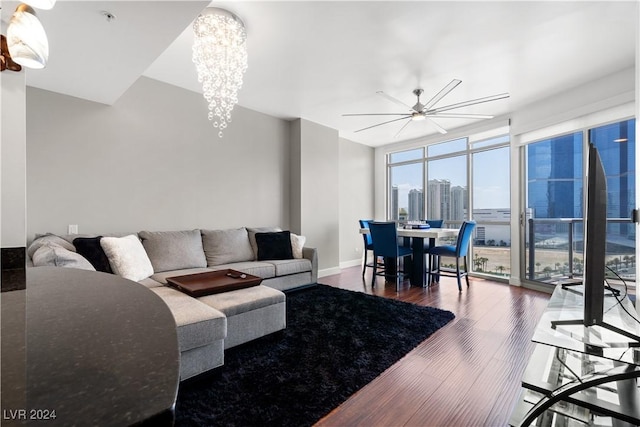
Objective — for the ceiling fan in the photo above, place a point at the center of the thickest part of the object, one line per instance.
(426, 111)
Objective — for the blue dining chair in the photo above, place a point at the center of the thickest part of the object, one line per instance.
(384, 236)
(368, 245)
(458, 251)
(435, 223)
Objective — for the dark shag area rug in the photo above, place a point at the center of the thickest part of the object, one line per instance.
(336, 341)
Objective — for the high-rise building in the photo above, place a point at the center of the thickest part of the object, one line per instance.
(439, 199)
(615, 144)
(416, 205)
(433, 200)
(555, 177)
(458, 203)
(394, 203)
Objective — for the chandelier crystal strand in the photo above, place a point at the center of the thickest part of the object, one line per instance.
(220, 56)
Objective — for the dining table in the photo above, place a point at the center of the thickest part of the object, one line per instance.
(417, 236)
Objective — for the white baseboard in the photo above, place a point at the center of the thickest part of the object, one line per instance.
(328, 271)
(338, 270)
(352, 263)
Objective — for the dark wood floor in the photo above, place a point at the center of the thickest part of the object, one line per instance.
(466, 374)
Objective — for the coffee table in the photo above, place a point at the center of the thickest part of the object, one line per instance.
(213, 282)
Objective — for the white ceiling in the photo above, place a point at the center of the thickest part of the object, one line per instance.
(318, 60)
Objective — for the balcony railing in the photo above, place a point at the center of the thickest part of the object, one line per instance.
(555, 248)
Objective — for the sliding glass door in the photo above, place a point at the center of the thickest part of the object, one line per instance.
(554, 207)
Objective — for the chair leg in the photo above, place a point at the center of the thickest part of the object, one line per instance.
(458, 273)
(436, 269)
(364, 266)
(431, 266)
(427, 272)
(375, 270)
(466, 269)
(397, 274)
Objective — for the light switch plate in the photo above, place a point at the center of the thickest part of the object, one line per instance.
(73, 229)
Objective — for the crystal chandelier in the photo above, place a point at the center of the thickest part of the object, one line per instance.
(220, 55)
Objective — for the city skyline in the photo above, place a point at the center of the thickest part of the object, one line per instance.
(443, 202)
(491, 173)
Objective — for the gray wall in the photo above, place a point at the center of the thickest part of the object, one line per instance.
(12, 160)
(295, 200)
(315, 192)
(151, 161)
(356, 198)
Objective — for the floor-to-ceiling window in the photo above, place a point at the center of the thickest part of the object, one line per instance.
(491, 206)
(447, 195)
(464, 178)
(470, 178)
(406, 177)
(554, 207)
(554, 232)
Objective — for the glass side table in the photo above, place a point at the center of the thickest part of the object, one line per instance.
(581, 375)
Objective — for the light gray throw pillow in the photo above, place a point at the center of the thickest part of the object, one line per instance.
(46, 239)
(226, 246)
(173, 250)
(54, 255)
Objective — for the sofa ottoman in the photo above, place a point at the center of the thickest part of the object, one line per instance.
(251, 312)
(201, 332)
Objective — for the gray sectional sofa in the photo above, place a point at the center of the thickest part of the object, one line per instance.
(206, 325)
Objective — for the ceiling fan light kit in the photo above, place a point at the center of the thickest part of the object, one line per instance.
(422, 112)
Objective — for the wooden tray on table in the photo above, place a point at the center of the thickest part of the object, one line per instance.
(213, 282)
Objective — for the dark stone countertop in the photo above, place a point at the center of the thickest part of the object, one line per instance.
(100, 350)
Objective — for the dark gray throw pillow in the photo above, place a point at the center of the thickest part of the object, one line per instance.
(89, 247)
(274, 246)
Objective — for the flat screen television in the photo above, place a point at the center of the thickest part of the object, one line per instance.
(595, 249)
(595, 240)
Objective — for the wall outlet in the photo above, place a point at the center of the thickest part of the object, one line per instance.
(72, 229)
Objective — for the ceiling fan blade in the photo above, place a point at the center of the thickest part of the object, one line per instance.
(384, 123)
(467, 103)
(392, 99)
(448, 88)
(402, 128)
(437, 126)
(376, 114)
(462, 116)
